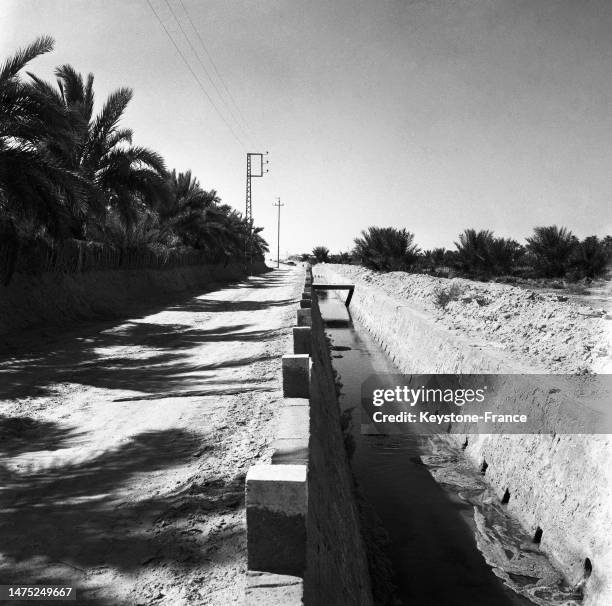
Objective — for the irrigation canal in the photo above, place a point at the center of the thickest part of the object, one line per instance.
(448, 538)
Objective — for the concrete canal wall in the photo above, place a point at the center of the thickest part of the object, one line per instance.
(559, 486)
(303, 536)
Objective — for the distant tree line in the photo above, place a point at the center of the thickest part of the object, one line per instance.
(550, 252)
(68, 173)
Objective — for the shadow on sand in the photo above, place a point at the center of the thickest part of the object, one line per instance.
(59, 520)
(71, 517)
(102, 355)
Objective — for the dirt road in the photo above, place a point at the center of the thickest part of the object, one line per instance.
(124, 447)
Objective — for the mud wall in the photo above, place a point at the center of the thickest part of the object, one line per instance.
(60, 298)
(560, 484)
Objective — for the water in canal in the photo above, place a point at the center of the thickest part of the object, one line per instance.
(450, 541)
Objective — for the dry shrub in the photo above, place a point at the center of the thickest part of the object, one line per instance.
(444, 296)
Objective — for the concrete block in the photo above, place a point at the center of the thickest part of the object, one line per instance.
(304, 317)
(296, 375)
(293, 433)
(302, 340)
(266, 589)
(277, 505)
(290, 451)
(296, 402)
(294, 421)
(305, 304)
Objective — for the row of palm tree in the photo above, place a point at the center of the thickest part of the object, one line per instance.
(550, 252)
(69, 172)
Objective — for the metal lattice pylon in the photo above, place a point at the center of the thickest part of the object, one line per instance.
(248, 214)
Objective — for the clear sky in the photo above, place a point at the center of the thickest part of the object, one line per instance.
(434, 115)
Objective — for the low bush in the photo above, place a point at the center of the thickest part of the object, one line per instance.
(444, 296)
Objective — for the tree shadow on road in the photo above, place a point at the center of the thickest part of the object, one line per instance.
(22, 434)
(143, 356)
(265, 281)
(61, 520)
(84, 354)
(76, 516)
(200, 304)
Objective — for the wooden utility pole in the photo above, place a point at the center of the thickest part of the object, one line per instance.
(278, 205)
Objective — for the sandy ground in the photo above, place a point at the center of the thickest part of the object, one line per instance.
(545, 332)
(124, 447)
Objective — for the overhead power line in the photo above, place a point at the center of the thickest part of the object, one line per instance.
(193, 73)
(203, 66)
(217, 72)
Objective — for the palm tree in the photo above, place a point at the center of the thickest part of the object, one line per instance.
(196, 218)
(247, 235)
(36, 190)
(590, 258)
(185, 208)
(186, 195)
(123, 177)
(505, 255)
(66, 171)
(433, 258)
(342, 258)
(481, 254)
(144, 232)
(474, 251)
(386, 249)
(321, 254)
(260, 246)
(551, 249)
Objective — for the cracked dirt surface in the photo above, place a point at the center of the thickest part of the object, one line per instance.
(124, 446)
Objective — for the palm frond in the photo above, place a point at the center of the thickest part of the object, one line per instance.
(111, 113)
(13, 65)
(123, 135)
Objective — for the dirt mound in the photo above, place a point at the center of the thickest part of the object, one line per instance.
(544, 330)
